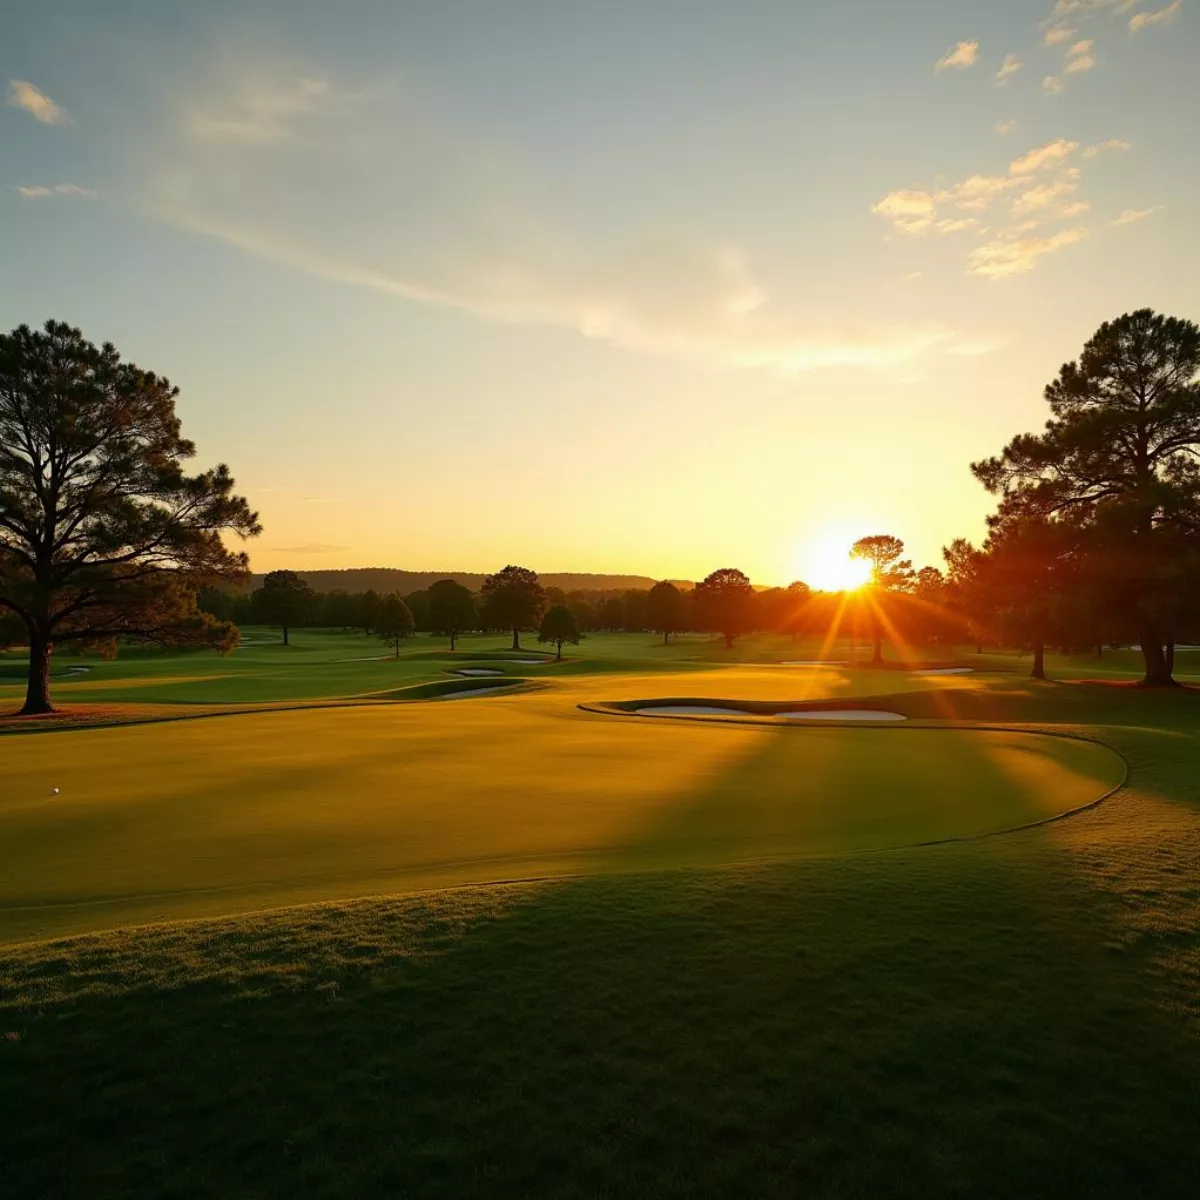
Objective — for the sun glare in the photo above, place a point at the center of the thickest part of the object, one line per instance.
(827, 566)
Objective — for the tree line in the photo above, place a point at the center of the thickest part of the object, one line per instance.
(105, 536)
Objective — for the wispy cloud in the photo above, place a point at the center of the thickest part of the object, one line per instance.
(1053, 84)
(1004, 256)
(1115, 145)
(1130, 215)
(39, 192)
(959, 58)
(1080, 58)
(1161, 16)
(24, 95)
(1003, 128)
(1048, 155)
(1058, 34)
(1008, 68)
(259, 157)
(1076, 208)
(1045, 194)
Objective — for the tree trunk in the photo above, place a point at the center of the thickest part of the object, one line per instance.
(37, 693)
(666, 638)
(1099, 649)
(285, 636)
(1039, 663)
(878, 655)
(1169, 655)
(729, 641)
(558, 657)
(516, 637)
(453, 635)
(1158, 669)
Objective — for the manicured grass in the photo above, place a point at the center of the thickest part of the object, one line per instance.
(259, 810)
(1017, 1015)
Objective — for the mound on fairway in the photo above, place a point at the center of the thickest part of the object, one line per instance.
(207, 817)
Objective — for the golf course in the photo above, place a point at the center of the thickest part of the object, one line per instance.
(720, 920)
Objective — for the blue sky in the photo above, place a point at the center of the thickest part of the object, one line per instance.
(656, 287)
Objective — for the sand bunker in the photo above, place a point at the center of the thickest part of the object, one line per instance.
(842, 714)
(945, 671)
(709, 710)
(477, 671)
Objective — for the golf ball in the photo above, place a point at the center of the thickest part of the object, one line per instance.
(54, 791)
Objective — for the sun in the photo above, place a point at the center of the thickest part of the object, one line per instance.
(825, 564)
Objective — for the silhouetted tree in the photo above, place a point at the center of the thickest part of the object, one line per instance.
(394, 622)
(1119, 455)
(665, 609)
(368, 610)
(890, 572)
(725, 603)
(559, 626)
(418, 605)
(1028, 577)
(451, 609)
(284, 600)
(796, 610)
(513, 599)
(102, 534)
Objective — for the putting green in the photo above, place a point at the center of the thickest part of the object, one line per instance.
(238, 813)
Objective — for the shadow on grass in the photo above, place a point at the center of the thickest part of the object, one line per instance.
(935, 1022)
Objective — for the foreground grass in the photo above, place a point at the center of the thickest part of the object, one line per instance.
(970, 1020)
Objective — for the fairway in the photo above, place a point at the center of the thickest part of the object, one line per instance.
(214, 816)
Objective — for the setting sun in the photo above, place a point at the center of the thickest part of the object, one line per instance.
(825, 564)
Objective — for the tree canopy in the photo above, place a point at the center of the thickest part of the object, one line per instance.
(102, 532)
(394, 621)
(890, 572)
(559, 626)
(665, 609)
(451, 609)
(1119, 455)
(284, 600)
(513, 599)
(725, 603)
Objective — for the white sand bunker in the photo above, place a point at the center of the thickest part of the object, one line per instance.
(945, 671)
(814, 662)
(806, 714)
(477, 671)
(525, 662)
(842, 714)
(466, 693)
(77, 670)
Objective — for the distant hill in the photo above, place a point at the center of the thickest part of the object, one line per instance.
(391, 579)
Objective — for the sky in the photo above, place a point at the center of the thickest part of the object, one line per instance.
(652, 286)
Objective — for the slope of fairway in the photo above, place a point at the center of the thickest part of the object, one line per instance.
(246, 812)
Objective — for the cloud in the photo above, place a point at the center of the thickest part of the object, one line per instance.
(1058, 34)
(259, 156)
(310, 548)
(959, 58)
(1009, 67)
(910, 210)
(956, 224)
(38, 192)
(1044, 194)
(1053, 84)
(23, 95)
(1075, 209)
(1004, 257)
(1162, 16)
(1048, 155)
(262, 109)
(1130, 215)
(1080, 58)
(1004, 128)
(1114, 144)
